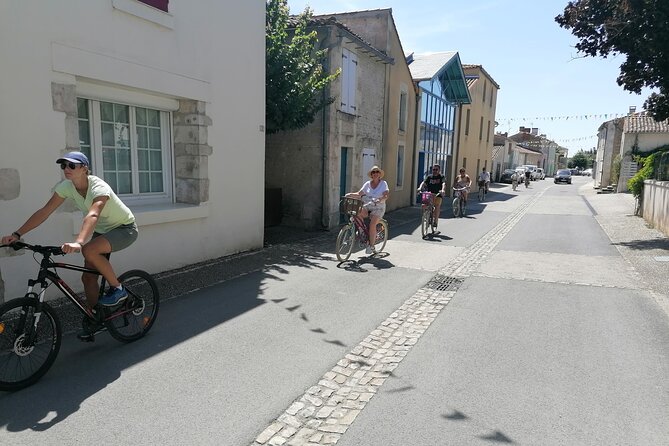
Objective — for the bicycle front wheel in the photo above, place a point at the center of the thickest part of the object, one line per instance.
(26, 351)
(456, 207)
(381, 235)
(135, 316)
(481, 194)
(425, 222)
(345, 241)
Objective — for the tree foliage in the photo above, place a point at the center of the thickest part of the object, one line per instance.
(582, 159)
(295, 78)
(635, 28)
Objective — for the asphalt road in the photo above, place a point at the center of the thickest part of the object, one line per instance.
(550, 339)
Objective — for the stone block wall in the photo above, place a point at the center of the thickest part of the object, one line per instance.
(191, 152)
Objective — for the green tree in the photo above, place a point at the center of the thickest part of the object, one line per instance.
(582, 159)
(635, 28)
(294, 78)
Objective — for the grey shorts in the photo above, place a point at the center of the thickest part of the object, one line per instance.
(376, 209)
(121, 237)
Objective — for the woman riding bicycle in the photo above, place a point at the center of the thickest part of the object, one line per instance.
(436, 184)
(374, 194)
(464, 182)
(108, 223)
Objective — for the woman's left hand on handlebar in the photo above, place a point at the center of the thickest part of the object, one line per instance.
(71, 247)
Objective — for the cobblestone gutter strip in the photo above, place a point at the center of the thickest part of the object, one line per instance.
(326, 410)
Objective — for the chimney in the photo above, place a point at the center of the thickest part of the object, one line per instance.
(632, 109)
(535, 131)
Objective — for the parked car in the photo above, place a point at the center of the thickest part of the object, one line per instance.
(575, 172)
(562, 176)
(542, 174)
(506, 176)
(587, 172)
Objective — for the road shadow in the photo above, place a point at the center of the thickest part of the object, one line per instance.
(657, 243)
(234, 285)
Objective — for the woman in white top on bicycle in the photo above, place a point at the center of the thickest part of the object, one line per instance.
(374, 194)
(463, 181)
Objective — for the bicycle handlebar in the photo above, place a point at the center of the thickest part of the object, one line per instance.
(55, 250)
(460, 188)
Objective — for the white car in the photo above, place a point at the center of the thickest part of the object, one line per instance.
(541, 174)
(587, 172)
(534, 174)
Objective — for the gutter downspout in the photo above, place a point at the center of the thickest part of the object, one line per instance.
(454, 167)
(414, 161)
(325, 217)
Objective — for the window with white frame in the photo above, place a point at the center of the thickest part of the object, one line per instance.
(129, 147)
(400, 166)
(349, 68)
(404, 96)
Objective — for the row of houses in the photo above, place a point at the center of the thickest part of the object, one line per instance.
(527, 147)
(402, 111)
(167, 99)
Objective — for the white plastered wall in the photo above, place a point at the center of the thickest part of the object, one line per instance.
(208, 51)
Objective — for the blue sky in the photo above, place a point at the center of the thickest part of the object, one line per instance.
(518, 42)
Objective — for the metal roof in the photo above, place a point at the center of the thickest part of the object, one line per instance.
(444, 67)
(427, 66)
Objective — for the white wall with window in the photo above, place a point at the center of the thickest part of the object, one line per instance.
(148, 96)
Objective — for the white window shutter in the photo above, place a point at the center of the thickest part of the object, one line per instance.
(353, 64)
(344, 80)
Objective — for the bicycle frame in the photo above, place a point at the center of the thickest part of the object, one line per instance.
(46, 275)
(362, 231)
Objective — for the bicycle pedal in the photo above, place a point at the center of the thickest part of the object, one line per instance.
(86, 338)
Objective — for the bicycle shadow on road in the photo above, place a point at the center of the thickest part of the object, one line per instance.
(377, 260)
(437, 238)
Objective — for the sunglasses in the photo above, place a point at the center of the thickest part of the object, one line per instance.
(376, 171)
(72, 166)
(435, 170)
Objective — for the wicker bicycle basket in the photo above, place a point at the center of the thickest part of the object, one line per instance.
(427, 197)
(350, 206)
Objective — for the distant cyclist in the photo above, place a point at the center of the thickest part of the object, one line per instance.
(374, 194)
(484, 179)
(435, 183)
(464, 182)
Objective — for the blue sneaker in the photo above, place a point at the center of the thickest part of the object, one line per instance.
(114, 297)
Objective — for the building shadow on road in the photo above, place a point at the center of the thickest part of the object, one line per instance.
(211, 293)
(656, 243)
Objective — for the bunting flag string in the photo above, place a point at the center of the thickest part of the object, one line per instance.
(565, 118)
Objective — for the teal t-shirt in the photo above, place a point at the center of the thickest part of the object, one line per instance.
(113, 215)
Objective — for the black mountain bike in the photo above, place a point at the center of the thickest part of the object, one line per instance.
(30, 331)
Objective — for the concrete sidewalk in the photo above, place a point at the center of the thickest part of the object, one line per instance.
(646, 249)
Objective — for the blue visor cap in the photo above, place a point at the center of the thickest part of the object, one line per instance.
(74, 157)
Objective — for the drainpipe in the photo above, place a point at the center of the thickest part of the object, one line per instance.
(325, 218)
(454, 167)
(414, 162)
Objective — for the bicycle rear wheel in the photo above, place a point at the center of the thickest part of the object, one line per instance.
(456, 207)
(345, 242)
(135, 316)
(24, 361)
(381, 235)
(425, 222)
